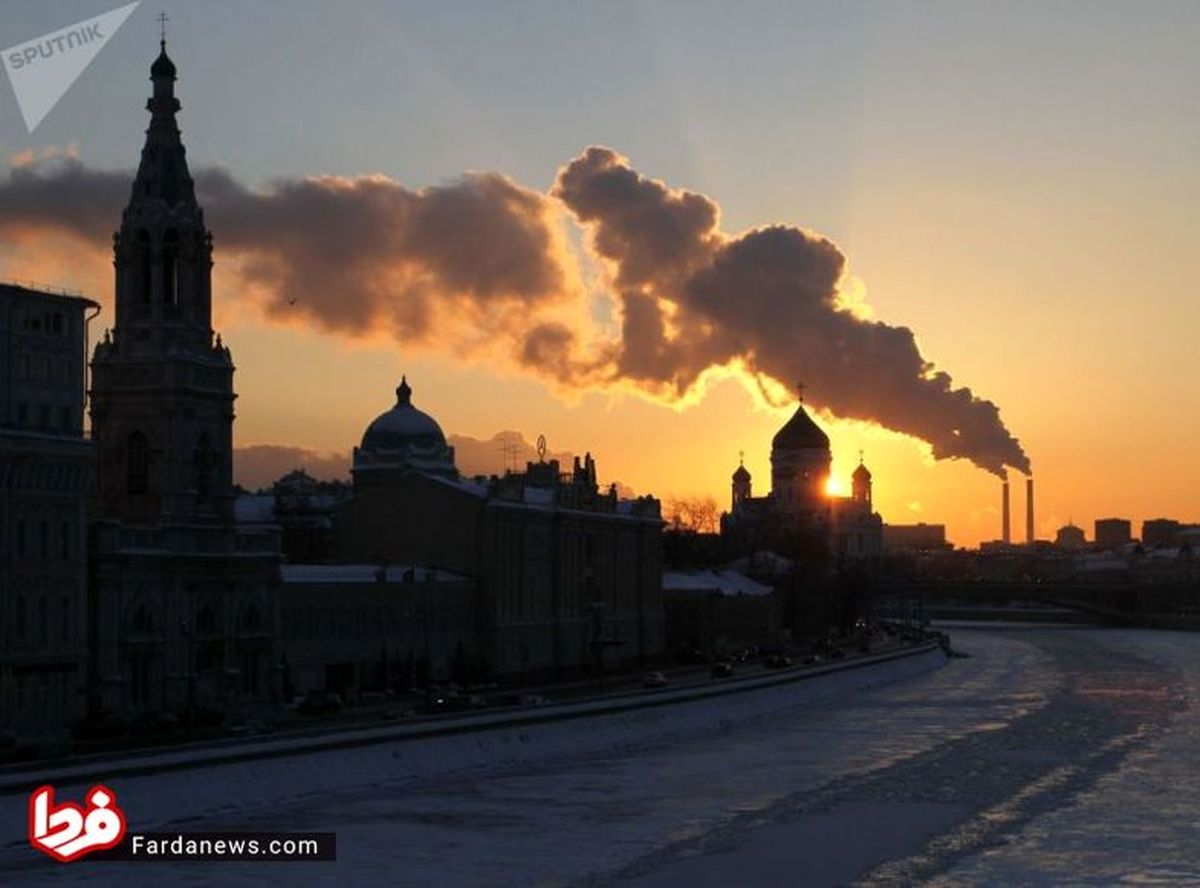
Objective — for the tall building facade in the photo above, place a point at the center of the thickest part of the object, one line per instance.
(44, 464)
(184, 601)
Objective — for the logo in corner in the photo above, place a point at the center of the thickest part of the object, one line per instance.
(66, 831)
(41, 70)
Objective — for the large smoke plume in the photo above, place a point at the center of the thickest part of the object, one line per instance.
(484, 262)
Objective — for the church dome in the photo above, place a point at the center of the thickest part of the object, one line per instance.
(800, 433)
(741, 474)
(862, 473)
(403, 426)
(163, 67)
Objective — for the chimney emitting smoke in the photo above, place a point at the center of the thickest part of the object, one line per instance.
(1006, 535)
(1029, 511)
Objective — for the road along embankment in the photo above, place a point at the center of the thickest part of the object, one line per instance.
(216, 782)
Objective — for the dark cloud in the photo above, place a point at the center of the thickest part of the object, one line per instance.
(482, 262)
(694, 298)
(350, 254)
(260, 465)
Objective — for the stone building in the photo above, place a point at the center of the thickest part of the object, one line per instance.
(44, 464)
(568, 576)
(183, 599)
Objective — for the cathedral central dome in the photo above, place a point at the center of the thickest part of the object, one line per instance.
(403, 427)
(800, 433)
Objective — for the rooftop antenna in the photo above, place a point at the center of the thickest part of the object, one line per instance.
(541, 448)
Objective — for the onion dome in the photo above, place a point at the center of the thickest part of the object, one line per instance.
(800, 433)
(741, 474)
(862, 473)
(163, 68)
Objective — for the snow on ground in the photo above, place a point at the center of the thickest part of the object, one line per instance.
(643, 810)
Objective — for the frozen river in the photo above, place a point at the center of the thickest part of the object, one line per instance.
(1045, 756)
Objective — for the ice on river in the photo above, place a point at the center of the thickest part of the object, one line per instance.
(1047, 755)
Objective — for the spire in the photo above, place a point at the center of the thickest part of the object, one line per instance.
(163, 171)
(403, 393)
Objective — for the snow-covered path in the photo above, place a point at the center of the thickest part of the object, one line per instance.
(1048, 755)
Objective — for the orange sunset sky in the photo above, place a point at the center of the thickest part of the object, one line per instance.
(1020, 195)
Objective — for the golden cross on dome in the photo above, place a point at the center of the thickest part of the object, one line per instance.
(741, 457)
(800, 387)
(163, 18)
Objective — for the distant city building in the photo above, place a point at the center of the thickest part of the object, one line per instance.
(1166, 532)
(1113, 532)
(719, 611)
(567, 575)
(305, 510)
(1070, 537)
(914, 537)
(44, 465)
(183, 598)
(799, 515)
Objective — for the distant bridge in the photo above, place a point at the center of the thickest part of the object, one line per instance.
(1122, 604)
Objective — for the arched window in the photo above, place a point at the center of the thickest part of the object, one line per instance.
(251, 619)
(203, 460)
(171, 267)
(143, 265)
(143, 621)
(206, 621)
(137, 464)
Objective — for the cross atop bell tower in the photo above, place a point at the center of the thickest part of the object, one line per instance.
(162, 385)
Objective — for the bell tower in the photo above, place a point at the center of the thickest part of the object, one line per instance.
(162, 387)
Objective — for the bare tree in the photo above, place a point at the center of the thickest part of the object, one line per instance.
(695, 514)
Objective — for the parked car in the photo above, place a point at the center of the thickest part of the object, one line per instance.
(722, 669)
(778, 661)
(655, 680)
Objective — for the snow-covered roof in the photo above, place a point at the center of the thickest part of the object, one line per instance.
(364, 573)
(764, 562)
(725, 582)
(254, 509)
(1099, 563)
(539, 496)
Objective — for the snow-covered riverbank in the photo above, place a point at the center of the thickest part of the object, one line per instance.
(227, 781)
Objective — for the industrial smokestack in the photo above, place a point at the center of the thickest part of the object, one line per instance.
(1006, 535)
(1029, 511)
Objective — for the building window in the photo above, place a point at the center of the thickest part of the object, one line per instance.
(20, 617)
(143, 256)
(137, 464)
(171, 268)
(64, 541)
(203, 460)
(44, 540)
(43, 620)
(64, 618)
(64, 418)
(21, 538)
